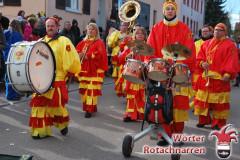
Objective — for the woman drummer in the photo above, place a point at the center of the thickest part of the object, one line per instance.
(135, 92)
(170, 31)
(94, 61)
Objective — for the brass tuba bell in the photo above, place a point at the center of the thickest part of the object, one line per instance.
(129, 11)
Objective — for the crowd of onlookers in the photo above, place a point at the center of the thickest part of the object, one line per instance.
(30, 28)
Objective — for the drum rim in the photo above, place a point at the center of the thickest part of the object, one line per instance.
(134, 60)
(159, 59)
(54, 66)
(180, 64)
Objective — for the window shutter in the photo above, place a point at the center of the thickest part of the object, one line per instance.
(86, 6)
(60, 4)
(12, 2)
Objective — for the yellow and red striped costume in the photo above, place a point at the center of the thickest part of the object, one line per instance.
(114, 41)
(167, 32)
(92, 72)
(223, 59)
(49, 108)
(135, 93)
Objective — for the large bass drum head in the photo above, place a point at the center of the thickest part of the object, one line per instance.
(41, 67)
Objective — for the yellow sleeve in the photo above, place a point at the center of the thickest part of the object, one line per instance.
(113, 39)
(71, 60)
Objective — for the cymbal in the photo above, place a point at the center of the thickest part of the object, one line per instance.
(140, 47)
(173, 51)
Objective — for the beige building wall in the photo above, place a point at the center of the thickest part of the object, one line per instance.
(82, 19)
(29, 6)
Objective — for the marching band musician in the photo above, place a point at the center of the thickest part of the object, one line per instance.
(217, 57)
(49, 108)
(135, 92)
(169, 31)
(114, 40)
(94, 60)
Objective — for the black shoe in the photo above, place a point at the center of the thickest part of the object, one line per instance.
(162, 142)
(64, 131)
(200, 125)
(236, 85)
(36, 137)
(127, 119)
(88, 115)
(215, 128)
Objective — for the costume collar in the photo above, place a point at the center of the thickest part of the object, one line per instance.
(171, 22)
(219, 39)
(52, 36)
(91, 39)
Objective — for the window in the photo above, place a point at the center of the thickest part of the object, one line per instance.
(188, 21)
(86, 6)
(197, 28)
(183, 19)
(191, 22)
(188, 2)
(194, 27)
(201, 7)
(192, 4)
(73, 5)
(154, 17)
(60, 4)
(184, 1)
(12, 2)
(1, 3)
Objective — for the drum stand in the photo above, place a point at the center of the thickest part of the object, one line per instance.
(155, 128)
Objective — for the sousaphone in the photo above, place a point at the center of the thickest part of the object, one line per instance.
(129, 11)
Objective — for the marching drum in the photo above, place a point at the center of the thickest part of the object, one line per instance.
(133, 71)
(181, 73)
(158, 69)
(31, 67)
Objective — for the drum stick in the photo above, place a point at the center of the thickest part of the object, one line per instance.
(69, 82)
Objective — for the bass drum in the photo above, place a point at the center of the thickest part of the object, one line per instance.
(31, 67)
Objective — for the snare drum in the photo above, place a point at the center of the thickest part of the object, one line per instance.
(133, 71)
(31, 67)
(181, 73)
(158, 69)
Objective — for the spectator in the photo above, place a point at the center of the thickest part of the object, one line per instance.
(12, 35)
(4, 21)
(34, 23)
(66, 32)
(76, 31)
(41, 24)
(26, 30)
(114, 13)
(2, 47)
(21, 14)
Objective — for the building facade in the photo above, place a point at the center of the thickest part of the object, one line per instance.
(190, 12)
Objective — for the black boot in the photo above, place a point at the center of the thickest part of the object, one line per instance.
(88, 115)
(200, 125)
(236, 85)
(36, 137)
(162, 142)
(127, 119)
(215, 128)
(64, 131)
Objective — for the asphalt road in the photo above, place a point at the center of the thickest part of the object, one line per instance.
(100, 137)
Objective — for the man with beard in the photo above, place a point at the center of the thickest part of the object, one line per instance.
(49, 108)
(206, 34)
(217, 57)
